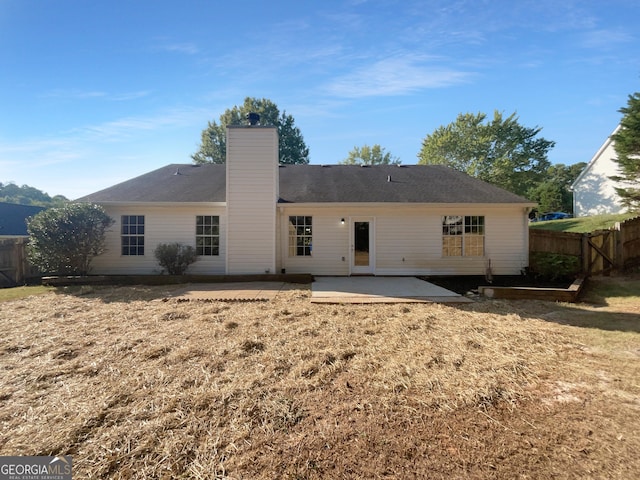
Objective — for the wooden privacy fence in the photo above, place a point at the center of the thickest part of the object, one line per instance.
(14, 267)
(599, 252)
(629, 243)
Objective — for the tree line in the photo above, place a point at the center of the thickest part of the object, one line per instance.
(26, 195)
(499, 150)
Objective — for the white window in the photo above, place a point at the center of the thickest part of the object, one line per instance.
(300, 236)
(207, 235)
(132, 234)
(462, 236)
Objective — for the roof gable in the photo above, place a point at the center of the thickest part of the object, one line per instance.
(595, 158)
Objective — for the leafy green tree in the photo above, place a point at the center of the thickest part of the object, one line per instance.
(553, 194)
(213, 146)
(500, 151)
(65, 239)
(26, 195)
(367, 155)
(549, 196)
(627, 146)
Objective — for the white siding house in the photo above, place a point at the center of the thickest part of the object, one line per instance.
(593, 191)
(406, 240)
(252, 216)
(162, 224)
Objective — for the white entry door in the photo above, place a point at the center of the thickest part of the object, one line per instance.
(362, 246)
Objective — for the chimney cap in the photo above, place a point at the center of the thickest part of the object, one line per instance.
(253, 118)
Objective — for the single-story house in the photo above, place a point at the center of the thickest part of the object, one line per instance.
(13, 219)
(593, 191)
(254, 216)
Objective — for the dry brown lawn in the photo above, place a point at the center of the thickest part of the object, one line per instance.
(136, 387)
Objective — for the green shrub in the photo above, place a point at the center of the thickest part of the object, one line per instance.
(65, 239)
(554, 266)
(175, 257)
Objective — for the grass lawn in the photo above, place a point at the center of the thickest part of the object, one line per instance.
(583, 224)
(135, 385)
(623, 292)
(15, 293)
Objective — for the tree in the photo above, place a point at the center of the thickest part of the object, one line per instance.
(26, 195)
(213, 145)
(500, 151)
(553, 194)
(627, 146)
(367, 155)
(65, 239)
(550, 197)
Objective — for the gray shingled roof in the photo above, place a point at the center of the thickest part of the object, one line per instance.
(13, 218)
(314, 184)
(387, 183)
(172, 183)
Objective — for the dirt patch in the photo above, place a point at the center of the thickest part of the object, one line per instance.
(236, 291)
(136, 387)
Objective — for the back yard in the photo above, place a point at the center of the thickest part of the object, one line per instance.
(137, 386)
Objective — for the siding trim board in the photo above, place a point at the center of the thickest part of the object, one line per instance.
(405, 206)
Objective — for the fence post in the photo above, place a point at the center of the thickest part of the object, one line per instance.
(20, 259)
(585, 254)
(618, 245)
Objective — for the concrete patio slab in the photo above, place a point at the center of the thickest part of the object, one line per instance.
(380, 290)
(231, 291)
(326, 290)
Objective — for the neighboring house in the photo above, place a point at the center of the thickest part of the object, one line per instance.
(14, 268)
(13, 219)
(593, 191)
(252, 216)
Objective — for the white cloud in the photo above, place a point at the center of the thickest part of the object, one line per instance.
(78, 161)
(77, 143)
(186, 48)
(126, 96)
(38, 162)
(128, 127)
(76, 94)
(395, 76)
(605, 39)
(38, 152)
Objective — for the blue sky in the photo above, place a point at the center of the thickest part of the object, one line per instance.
(96, 92)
